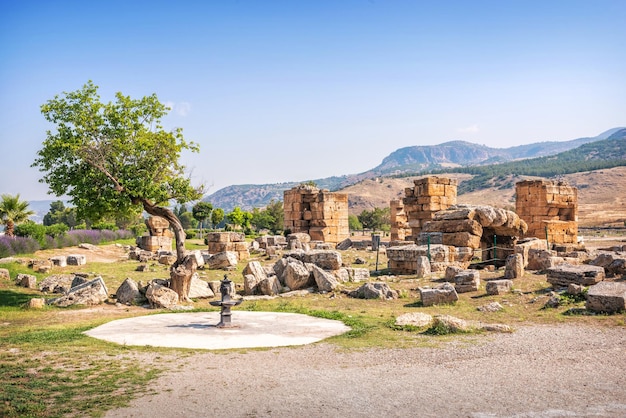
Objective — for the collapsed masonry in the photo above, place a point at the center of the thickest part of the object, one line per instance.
(160, 238)
(321, 214)
(234, 242)
(430, 195)
(550, 209)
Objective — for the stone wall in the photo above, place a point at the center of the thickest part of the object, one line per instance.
(399, 221)
(321, 214)
(228, 241)
(160, 238)
(548, 206)
(430, 195)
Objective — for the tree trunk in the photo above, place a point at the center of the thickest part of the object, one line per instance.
(10, 228)
(185, 266)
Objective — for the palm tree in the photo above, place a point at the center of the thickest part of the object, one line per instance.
(12, 212)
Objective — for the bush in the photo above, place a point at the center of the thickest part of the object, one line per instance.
(190, 233)
(56, 230)
(10, 246)
(105, 226)
(30, 229)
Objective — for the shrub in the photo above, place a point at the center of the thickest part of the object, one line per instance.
(190, 233)
(30, 229)
(56, 230)
(10, 246)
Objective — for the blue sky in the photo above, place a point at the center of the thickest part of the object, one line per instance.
(278, 91)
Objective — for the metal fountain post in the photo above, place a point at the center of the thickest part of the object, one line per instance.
(226, 303)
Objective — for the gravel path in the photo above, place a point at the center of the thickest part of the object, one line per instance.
(538, 371)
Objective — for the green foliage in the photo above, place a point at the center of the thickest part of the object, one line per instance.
(376, 219)
(272, 217)
(12, 212)
(217, 216)
(101, 226)
(202, 211)
(32, 230)
(240, 218)
(354, 224)
(112, 157)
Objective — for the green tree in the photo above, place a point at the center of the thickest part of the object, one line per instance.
(201, 212)
(240, 218)
(12, 212)
(217, 216)
(375, 219)
(114, 158)
(271, 217)
(353, 223)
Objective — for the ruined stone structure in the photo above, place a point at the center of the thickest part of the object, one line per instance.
(235, 242)
(548, 206)
(430, 195)
(321, 214)
(399, 221)
(160, 237)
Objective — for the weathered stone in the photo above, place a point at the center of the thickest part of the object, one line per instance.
(79, 278)
(41, 266)
(160, 296)
(297, 276)
(76, 260)
(167, 259)
(452, 325)
(451, 272)
(543, 260)
(199, 289)
(345, 244)
(524, 246)
(575, 289)
(357, 275)
(256, 269)
(490, 307)
(326, 259)
(607, 297)
(514, 266)
(142, 268)
(443, 294)
(613, 263)
(564, 274)
(250, 282)
(324, 280)
(423, 266)
(467, 281)
(26, 280)
(360, 260)
(4, 274)
(128, 293)
(222, 260)
(269, 286)
(57, 283)
(415, 319)
(59, 260)
(93, 292)
(342, 275)
(87, 246)
(36, 303)
(499, 287)
(376, 290)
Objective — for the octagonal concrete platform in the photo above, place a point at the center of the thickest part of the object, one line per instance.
(198, 330)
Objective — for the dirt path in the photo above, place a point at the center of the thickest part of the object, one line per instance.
(538, 371)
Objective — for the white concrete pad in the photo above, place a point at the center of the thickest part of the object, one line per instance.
(198, 330)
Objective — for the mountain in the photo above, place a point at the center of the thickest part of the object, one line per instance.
(406, 161)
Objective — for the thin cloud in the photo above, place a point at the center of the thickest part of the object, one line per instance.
(183, 108)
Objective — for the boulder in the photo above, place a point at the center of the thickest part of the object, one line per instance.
(345, 244)
(128, 293)
(326, 259)
(57, 283)
(26, 280)
(415, 319)
(357, 275)
(490, 307)
(514, 266)
(4, 274)
(59, 261)
(223, 260)
(297, 276)
(36, 303)
(564, 274)
(199, 289)
(269, 286)
(250, 282)
(613, 263)
(79, 278)
(342, 274)
(376, 290)
(444, 294)
(467, 281)
(256, 269)
(542, 259)
(93, 292)
(325, 281)
(451, 272)
(160, 296)
(607, 297)
(499, 287)
(76, 260)
(197, 254)
(41, 266)
(167, 259)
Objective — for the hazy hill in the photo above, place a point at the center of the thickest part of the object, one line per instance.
(404, 161)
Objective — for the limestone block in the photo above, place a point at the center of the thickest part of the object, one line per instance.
(499, 287)
(199, 289)
(443, 294)
(26, 280)
(297, 276)
(160, 296)
(564, 274)
(128, 293)
(93, 292)
(255, 269)
(59, 260)
(467, 281)
(376, 290)
(36, 303)
(222, 260)
(423, 266)
(461, 239)
(608, 297)
(324, 280)
(76, 260)
(269, 286)
(514, 266)
(326, 259)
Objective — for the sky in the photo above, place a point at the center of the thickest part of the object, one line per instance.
(277, 91)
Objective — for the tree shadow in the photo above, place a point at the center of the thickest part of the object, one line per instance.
(13, 299)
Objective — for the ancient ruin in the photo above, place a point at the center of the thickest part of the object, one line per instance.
(234, 242)
(550, 208)
(430, 195)
(321, 214)
(160, 237)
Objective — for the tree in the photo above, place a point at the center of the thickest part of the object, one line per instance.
(113, 158)
(353, 223)
(375, 219)
(217, 216)
(12, 212)
(240, 218)
(201, 212)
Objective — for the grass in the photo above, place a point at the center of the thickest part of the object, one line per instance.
(51, 368)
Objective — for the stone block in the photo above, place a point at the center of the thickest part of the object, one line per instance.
(585, 275)
(444, 294)
(499, 287)
(607, 297)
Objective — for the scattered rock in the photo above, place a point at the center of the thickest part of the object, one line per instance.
(499, 287)
(297, 276)
(222, 260)
(564, 274)
(270, 286)
(26, 280)
(59, 260)
(514, 266)
(36, 303)
(4, 274)
(375, 290)
(160, 296)
(325, 281)
(423, 266)
(128, 293)
(57, 283)
(345, 244)
(90, 293)
(360, 260)
(415, 319)
(490, 307)
(467, 281)
(444, 294)
(199, 289)
(76, 260)
(607, 297)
